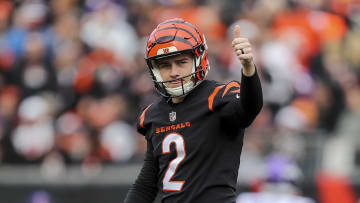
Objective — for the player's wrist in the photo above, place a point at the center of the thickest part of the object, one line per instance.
(249, 69)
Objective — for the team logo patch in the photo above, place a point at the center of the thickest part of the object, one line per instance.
(166, 50)
(172, 116)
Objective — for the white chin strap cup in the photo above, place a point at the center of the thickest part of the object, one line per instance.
(178, 91)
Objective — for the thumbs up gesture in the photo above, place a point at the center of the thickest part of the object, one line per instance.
(242, 49)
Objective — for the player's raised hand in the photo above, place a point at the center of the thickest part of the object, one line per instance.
(243, 51)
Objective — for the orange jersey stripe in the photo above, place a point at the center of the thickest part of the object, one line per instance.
(212, 96)
(142, 117)
(230, 85)
(235, 91)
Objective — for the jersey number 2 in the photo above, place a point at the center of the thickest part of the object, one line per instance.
(178, 140)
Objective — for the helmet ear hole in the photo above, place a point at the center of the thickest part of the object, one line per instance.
(201, 49)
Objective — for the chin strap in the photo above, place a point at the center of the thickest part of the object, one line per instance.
(181, 90)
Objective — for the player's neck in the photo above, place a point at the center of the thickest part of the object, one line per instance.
(177, 99)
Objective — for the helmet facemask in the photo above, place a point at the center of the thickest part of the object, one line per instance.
(188, 82)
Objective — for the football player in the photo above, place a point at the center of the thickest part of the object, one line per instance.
(194, 132)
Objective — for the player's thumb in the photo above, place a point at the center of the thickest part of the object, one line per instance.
(237, 31)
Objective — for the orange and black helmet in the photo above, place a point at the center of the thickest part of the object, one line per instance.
(173, 37)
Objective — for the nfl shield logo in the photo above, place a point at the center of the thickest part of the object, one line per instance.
(172, 116)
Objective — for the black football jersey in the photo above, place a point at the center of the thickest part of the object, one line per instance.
(196, 144)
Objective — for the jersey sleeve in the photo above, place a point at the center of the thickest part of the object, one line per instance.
(144, 190)
(143, 121)
(251, 99)
(238, 103)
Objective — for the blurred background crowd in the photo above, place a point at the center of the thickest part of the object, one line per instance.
(73, 79)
